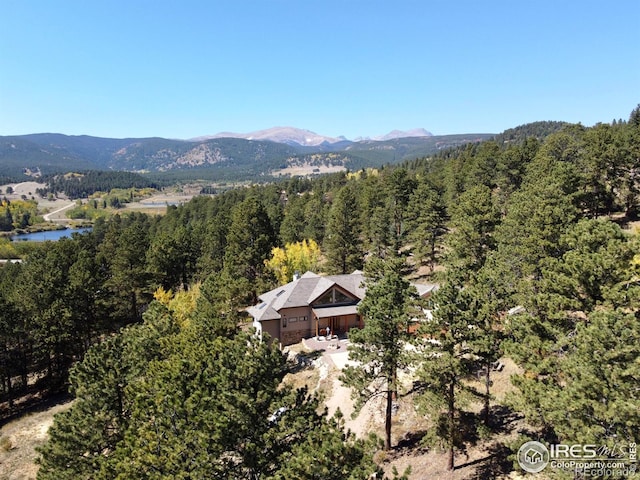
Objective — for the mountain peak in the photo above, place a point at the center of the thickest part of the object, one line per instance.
(287, 135)
(416, 132)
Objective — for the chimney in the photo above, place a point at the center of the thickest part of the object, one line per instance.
(296, 276)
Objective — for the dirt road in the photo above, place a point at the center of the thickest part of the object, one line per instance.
(55, 215)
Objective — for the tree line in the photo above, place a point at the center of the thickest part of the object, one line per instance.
(86, 183)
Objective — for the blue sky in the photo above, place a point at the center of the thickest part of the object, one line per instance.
(140, 68)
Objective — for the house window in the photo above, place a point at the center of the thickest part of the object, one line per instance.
(333, 296)
(284, 321)
(293, 319)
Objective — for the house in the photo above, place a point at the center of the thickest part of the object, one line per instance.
(311, 303)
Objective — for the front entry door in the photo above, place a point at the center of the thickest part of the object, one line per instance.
(334, 324)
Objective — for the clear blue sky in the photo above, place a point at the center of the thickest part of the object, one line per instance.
(181, 69)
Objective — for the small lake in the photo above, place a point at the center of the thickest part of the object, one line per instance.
(51, 235)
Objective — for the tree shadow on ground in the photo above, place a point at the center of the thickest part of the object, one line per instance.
(502, 419)
(33, 403)
(496, 462)
(412, 441)
(303, 360)
(493, 465)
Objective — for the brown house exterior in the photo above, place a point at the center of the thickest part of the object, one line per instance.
(310, 304)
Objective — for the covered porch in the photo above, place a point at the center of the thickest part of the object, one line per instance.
(339, 320)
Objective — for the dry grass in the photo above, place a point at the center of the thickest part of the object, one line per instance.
(308, 371)
(483, 458)
(307, 169)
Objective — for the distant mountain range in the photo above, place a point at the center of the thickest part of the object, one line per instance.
(224, 155)
(392, 135)
(287, 135)
(299, 137)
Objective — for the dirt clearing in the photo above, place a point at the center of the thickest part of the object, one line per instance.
(19, 439)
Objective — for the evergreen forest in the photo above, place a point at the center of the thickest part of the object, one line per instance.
(530, 236)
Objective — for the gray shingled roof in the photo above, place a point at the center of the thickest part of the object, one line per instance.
(263, 311)
(353, 283)
(302, 292)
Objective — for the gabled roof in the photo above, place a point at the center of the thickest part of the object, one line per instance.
(262, 312)
(353, 283)
(303, 291)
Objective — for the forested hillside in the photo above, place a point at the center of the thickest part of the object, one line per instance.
(216, 158)
(85, 184)
(141, 318)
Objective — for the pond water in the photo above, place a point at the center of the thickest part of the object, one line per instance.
(51, 235)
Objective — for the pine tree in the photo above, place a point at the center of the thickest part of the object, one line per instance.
(172, 256)
(216, 408)
(95, 423)
(379, 347)
(83, 438)
(342, 239)
(599, 402)
(426, 223)
(15, 342)
(398, 188)
(315, 214)
(446, 362)
(249, 242)
(6, 220)
(376, 209)
(381, 232)
(124, 251)
(488, 297)
(537, 216)
(634, 118)
(293, 224)
(593, 271)
(473, 220)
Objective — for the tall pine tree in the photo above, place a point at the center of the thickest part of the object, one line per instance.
(342, 240)
(380, 346)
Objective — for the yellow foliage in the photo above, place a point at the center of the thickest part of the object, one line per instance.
(162, 296)
(278, 264)
(7, 250)
(635, 264)
(19, 206)
(294, 257)
(183, 305)
(358, 174)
